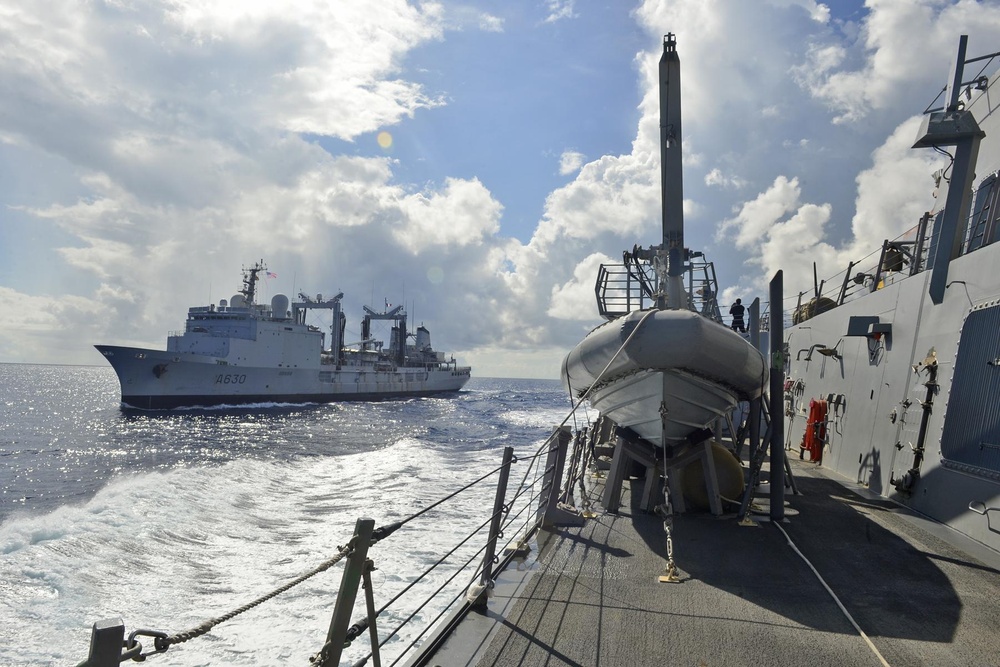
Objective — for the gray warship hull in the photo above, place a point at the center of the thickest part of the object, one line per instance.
(159, 380)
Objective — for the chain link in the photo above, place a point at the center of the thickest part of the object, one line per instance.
(666, 510)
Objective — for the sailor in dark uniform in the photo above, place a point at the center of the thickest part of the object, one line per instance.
(737, 312)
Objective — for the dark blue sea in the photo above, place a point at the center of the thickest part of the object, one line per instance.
(168, 519)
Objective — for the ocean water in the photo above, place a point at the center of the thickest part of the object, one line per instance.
(168, 520)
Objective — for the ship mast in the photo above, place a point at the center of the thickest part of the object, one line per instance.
(954, 125)
(250, 279)
(671, 294)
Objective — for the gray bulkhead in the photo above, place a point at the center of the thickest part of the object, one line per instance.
(877, 386)
(235, 337)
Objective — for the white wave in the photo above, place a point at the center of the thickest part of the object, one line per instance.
(546, 419)
(168, 550)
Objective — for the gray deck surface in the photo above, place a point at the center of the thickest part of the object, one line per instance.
(746, 597)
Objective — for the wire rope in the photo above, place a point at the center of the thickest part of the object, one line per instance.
(833, 595)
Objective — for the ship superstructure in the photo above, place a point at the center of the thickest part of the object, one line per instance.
(893, 375)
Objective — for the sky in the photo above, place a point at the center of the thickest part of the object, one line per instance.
(473, 161)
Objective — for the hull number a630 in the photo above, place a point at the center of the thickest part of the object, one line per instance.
(230, 379)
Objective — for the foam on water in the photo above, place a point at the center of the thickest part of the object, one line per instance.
(169, 550)
(199, 518)
(171, 547)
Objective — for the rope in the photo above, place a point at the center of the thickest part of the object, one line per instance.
(182, 637)
(587, 456)
(829, 590)
(440, 588)
(575, 460)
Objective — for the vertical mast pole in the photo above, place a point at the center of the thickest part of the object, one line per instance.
(671, 176)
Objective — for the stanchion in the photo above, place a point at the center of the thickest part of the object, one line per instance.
(479, 593)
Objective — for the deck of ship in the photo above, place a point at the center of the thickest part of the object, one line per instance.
(589, 595)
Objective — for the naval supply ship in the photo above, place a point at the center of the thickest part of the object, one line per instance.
(242, 352)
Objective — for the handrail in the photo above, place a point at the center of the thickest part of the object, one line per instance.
(920, 242)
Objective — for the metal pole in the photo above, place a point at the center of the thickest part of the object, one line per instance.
(755, 402)
(479, 596)
(671, 170)
(554, 462)
(370, 603)
(918, 245)
(777, 377)
(843, 288)
(353, 572)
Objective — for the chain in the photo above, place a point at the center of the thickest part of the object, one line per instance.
(587, 513)
(666, 510)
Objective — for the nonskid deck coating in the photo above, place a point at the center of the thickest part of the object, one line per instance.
(746, 597)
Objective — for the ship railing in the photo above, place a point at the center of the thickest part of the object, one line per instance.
(622, 288)
(908, 254)
(703, 287)
(426, 605)
(631, 285)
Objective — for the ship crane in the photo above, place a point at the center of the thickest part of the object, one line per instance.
(398, 343)
(338, 319)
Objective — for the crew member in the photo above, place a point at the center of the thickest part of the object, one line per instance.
(737, 312)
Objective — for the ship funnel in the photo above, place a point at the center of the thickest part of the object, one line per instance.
(423, 341)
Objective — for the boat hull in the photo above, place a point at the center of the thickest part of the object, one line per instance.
(160, 380)
(677, 374)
